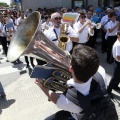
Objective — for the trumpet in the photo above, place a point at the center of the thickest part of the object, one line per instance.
(95, 25)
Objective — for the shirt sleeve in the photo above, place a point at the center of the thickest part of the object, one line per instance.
(65, 104)
(117, 51)
(101, 70)
(76, 27)
(109, 25)
(89, 31)
(72, 32)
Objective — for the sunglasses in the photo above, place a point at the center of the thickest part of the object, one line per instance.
(57, 18)
(83, 16)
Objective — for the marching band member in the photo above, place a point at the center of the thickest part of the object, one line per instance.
(54, 32)
(104, 21)
(3, 38)
(9, 34)
(83, 29)
(111, 36)
(21, 19)
(47, 24)
(115, 80)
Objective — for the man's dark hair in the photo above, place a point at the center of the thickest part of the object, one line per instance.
(85, 62)
(112, 14)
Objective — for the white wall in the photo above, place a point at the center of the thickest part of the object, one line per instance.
(35, 4)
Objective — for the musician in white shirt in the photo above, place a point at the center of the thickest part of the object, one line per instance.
(3, 38)
(47, 24)
(104, 21)
(112, 29)
(54, 32)
(83, 29)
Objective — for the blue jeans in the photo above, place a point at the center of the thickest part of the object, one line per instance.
(1, 89)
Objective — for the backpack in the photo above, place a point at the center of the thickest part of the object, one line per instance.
(97, 105)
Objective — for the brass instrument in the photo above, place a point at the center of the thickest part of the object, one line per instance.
(96, 25)
(10, 33)
(63, 38)
(30, 40)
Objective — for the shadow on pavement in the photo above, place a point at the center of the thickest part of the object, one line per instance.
(19, 66)
(5, 104)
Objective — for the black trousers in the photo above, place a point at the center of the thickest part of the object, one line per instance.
(110, 41)
(115, 80)
(40, 62)
(31, 60)
(104, 42)
(4, 44)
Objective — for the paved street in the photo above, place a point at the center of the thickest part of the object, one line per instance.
(25, 101)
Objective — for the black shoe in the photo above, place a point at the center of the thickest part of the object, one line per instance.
(117, 88)
(14, 62)
(18, 61)
(7, 61)
(3, 96)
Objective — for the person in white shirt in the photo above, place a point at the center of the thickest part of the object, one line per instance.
(53, 33)
(115, 80)
(111, 34)
(83, 29)
(47, 24)
(82, 76)
(21, 19)
(3, 38)
(104, 21)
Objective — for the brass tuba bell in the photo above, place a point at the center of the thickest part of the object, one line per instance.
(29, 40)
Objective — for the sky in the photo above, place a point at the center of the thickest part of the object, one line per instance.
(7, 1)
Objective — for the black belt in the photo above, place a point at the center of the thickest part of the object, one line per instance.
(118, 63)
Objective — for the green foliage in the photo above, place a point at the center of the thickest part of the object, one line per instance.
(3, 4)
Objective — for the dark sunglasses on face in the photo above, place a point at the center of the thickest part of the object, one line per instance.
(57, 18)
(83, 16)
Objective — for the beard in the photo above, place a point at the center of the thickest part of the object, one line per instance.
(57, 24)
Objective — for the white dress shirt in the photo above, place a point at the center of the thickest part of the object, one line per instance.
(104, 21)
(52, 36)
(116, 50)
(2, 30)
(111, 25)
(65, 104)
(83, 36)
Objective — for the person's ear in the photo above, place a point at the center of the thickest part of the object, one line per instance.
(71, 69)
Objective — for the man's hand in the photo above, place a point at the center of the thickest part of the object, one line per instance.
(39, 82)
(50, 94)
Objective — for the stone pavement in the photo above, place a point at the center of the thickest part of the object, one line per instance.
(25, 101)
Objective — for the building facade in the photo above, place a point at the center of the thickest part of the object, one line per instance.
(35, 4)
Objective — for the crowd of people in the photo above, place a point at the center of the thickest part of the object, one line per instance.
(83, 36)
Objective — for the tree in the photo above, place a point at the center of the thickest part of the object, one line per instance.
(3, 4)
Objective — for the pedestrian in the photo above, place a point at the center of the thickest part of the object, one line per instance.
(115, 80)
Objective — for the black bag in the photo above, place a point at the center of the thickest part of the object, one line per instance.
(97, 105)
